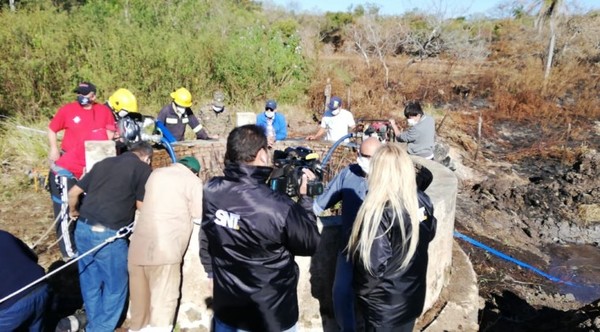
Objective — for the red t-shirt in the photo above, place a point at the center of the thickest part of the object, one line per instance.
(80, 125)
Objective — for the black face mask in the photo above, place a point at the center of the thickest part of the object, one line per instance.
(84, 100)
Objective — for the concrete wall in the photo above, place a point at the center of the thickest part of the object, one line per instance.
(316, 274)
(442, 191)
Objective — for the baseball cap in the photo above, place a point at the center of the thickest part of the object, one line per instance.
(84, 88)
(191, 163)
(335, 103)
(271, 104)
(218, 99)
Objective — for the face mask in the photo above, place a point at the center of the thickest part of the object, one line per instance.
(364, 163)
(218, 109)
(411, 122)
(335, 112)
(122, 113)
(269, 114)
(179, 110)
(84, 100)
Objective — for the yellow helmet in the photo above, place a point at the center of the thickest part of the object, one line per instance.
(123, 99)
(182, 97)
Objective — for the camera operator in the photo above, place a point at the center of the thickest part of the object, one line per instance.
(253, 235)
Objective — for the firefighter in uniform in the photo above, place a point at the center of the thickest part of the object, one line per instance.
(129, 121)
(178, 114)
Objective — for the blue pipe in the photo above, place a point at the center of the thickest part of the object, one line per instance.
(165, 142)
(166, 139)
(165, 132)
(513, 260)
(333, 147)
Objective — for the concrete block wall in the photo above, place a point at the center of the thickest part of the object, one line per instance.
(316, 275)
(211, 154)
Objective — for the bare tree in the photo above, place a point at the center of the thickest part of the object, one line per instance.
(358, 37)
(373, 36)
(547, 11)
(550, 11)
(467, 41)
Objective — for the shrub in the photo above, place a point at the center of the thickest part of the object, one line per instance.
(149, 47)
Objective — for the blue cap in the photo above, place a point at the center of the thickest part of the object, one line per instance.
(271, 104)
(335, 103)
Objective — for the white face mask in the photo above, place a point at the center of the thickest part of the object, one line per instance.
(412, 122)
(217, 109)
(179, 110)
(269, 114)
(335, 112)
(364, 163)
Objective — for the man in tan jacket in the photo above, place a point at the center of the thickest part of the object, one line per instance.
(161, 235)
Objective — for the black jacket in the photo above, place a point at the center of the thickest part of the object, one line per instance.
(18, 268)
(253, 235)
(393, 297)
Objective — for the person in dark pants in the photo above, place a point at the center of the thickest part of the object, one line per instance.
(388, 244)
(253, 238)
(349, 186)
(114, 189)
(81, 121)
(18, 268)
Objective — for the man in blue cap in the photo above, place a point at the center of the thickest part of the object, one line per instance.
(336, 122)
(272, 122)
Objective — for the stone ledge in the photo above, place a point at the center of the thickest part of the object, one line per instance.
(458, 305)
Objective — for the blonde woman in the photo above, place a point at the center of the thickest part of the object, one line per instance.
(389, 243)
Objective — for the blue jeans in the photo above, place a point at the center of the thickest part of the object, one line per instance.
(102, 276)
(343, 295)
(26, 312)
(222, 327)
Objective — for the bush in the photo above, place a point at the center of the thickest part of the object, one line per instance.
(149, 47)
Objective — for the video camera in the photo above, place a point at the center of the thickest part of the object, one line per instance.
(287, 173)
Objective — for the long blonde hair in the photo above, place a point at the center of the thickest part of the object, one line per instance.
(391, 182)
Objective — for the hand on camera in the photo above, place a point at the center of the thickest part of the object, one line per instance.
(307, 175)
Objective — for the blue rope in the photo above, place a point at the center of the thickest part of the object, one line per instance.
(513, 260)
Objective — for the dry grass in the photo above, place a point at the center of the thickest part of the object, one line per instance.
(558, 111)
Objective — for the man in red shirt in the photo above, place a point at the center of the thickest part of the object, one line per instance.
(82, 120)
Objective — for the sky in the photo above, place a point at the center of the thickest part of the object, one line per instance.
(450, 8)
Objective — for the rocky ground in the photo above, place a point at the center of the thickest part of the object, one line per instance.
(544, 212)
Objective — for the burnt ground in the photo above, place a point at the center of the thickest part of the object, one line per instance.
(534, 209)
(528, 208)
